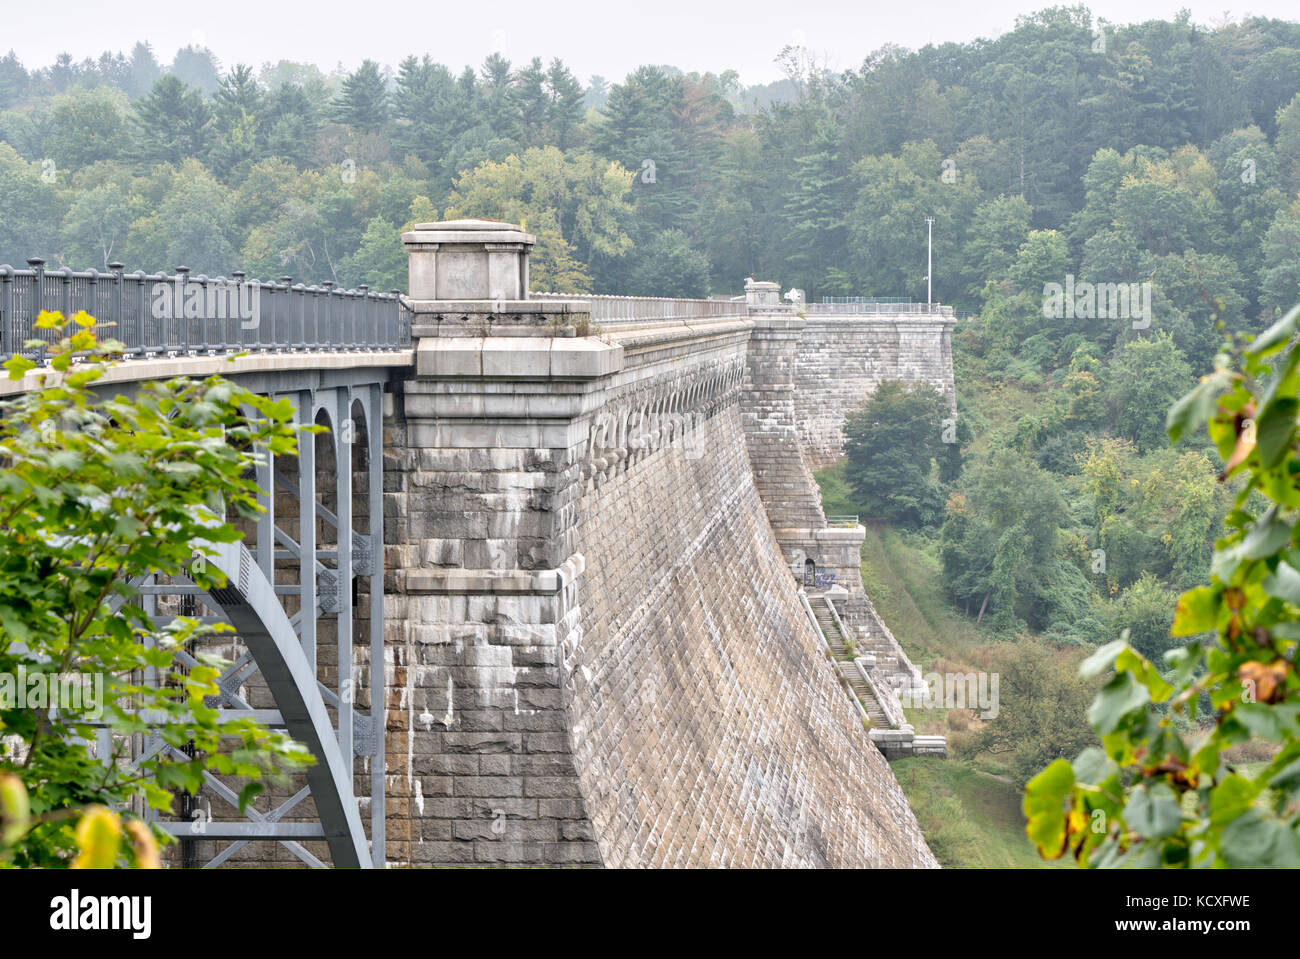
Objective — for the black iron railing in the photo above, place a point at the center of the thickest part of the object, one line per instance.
(157, 314)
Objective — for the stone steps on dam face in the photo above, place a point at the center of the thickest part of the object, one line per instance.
(845, 667)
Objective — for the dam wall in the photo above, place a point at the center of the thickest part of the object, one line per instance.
(596, 650)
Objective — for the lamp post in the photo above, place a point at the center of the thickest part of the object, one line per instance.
(929, 261)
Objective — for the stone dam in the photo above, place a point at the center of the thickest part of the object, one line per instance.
(599, 648)
(597, 614)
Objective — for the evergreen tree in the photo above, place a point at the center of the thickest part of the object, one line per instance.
(172, 122)
(362, 101)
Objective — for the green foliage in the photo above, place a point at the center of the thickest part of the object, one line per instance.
(97, 491)
(1145, 378)
(1042, 703)
(903, 446)
(1159, 790)
(362, 102)
(999, 538)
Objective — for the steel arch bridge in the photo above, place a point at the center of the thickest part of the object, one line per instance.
(293, 597)
(304, 591)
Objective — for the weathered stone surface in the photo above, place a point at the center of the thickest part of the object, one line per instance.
(596, 649)
(841, 360)
(615, 637)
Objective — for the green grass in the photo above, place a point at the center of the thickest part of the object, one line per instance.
(969, 818)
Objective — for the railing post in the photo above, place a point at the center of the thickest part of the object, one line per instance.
(92, 293)
(65, 292)
(38, 300)
(238, 276)
(365, 318)
(179, 308)
(7, 326)
(395, 297)
(116, 314)
(331, 337)
(287, 283)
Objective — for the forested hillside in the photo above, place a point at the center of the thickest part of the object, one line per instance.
(1164, 150)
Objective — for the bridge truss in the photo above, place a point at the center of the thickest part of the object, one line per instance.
(304, 594)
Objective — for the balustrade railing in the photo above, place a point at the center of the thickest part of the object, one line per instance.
(613, 310)
(842, 520)
(865, 308)
(156, 314)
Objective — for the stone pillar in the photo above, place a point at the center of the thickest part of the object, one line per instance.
(784, 481)
(482, 477)
(781, 473)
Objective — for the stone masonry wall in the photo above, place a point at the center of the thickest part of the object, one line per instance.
(841, 360)
(596, 650)
(478, 756)
(707, 727)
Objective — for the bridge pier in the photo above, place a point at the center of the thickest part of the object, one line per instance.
(482, 477)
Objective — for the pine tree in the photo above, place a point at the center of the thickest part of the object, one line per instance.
(362, 103)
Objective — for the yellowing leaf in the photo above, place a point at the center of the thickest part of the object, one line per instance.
(1196, 612)
(99, 834)
(1044, 808)
(15, 815)
(144, 845)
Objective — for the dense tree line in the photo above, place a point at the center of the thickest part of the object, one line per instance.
(1062, 146)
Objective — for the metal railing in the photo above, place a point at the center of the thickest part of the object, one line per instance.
(156, 314)
(842, 521)
(863, 308)
(865, 299)
(613, 310)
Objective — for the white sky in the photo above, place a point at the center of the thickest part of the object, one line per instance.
(606, 37)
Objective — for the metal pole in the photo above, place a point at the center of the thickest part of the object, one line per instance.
(929, 261)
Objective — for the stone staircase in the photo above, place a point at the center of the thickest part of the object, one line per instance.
(872, 694)
(848, 670)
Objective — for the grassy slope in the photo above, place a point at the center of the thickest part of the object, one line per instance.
(970, 818)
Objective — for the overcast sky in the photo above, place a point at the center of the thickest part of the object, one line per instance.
(591, 36)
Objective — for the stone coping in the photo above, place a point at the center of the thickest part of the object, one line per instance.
(824, 534)
(642, 337)
(472, 307)
(467, 232)
(198, 367)
(492, 581)
(516, 357)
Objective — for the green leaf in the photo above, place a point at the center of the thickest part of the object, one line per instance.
(1192, 411)
(1118, 698)
(1093, 766)
(1231, 798)
(246, 795)
(1276, 336)
(1153, 811)
(1284, 583)
(1044, 808)
(1102, 659)
(1196, 612)
(1270, 535)
(1274, 430)
(1255, 839)
(17, 366)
